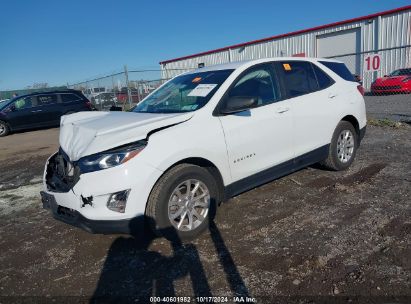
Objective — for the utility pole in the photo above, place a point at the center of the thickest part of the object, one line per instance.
(127, 84)
(138, 91)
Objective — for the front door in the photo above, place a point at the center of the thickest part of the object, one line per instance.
(259, 138)
(20, 113)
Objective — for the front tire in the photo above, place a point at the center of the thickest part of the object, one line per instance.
(343, 147)
(4, 129)
(182, 202)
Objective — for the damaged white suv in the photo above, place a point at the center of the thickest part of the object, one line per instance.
(200, 139)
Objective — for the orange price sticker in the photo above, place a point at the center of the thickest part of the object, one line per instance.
(287, 66)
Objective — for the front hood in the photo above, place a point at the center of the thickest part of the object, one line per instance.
(87, 133)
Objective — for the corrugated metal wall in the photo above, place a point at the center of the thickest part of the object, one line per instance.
(378, 33)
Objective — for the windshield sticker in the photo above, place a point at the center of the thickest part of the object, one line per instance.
(197, 79)
(202, 90)
(189, 107)
(287, 66)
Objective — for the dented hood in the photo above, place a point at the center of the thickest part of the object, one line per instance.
(87, 133)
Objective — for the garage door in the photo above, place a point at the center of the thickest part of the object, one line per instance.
(340, 43)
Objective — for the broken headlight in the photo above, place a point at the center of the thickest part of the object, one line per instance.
(111, 158)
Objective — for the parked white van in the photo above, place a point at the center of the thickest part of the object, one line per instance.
(199, 139)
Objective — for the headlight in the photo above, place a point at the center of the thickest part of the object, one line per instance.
(406, 79)
(111, 158)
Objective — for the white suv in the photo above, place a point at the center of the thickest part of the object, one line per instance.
(199, 139)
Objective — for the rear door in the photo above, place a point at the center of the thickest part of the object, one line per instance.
(48, 109)
(313, 96)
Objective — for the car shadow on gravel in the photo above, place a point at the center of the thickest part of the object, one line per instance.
(134, 273)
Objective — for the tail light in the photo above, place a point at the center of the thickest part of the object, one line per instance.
(88, 105)
(361, 89)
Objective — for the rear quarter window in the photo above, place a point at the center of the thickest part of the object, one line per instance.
(69, 98)
(324, 81)
(340, 69)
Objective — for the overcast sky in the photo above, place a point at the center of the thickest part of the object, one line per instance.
(72, 40)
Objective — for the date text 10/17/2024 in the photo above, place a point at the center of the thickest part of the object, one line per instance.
(236, 299)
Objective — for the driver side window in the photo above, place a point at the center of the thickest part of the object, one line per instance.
(257, 82)
(23, 103)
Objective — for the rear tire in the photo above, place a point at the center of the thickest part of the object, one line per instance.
(178, 214)
(343, 147)
(4, 129)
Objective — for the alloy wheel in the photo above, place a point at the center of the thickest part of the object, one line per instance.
(189, 205)
(2, 129)
(345, 146)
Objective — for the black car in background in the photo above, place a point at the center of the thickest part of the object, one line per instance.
(37, 110)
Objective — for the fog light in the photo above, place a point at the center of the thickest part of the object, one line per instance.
(118, 201)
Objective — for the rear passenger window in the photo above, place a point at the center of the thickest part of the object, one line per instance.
(69, 98)
(324, 81)
(340, 69)
(299, 77)
(257, 82)
(46, 99)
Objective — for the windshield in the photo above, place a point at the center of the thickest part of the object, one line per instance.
(401, 72)
(3, 102)
(184, 93)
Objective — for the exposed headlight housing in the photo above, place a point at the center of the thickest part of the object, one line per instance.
(111, 158)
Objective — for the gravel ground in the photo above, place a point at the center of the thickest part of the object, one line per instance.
(313, 236)
(395, 107)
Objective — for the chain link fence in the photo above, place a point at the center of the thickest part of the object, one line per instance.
(123, 89)
(126, 88)
(371, 67)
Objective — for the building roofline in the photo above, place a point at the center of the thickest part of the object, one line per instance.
(392, 11)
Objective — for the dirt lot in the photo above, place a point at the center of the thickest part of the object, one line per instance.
(313, 236)
(395, 107)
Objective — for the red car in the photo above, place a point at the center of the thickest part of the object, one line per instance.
(122, 96)
(398, 81)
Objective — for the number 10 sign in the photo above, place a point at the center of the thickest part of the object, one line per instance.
(372, 63)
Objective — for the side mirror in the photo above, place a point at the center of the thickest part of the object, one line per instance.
(11, 108)
(237, 104)
(385, 75)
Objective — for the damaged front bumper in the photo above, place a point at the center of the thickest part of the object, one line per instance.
(81, 199)
(74, 218)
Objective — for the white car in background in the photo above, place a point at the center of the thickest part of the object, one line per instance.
(200, 139)
(104, 101)
(93, 92)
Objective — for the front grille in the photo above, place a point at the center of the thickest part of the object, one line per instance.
(387, 87)
(66, 214)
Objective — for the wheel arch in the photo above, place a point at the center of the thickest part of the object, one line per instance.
(208, 165)
(354, 121)
(7, 124)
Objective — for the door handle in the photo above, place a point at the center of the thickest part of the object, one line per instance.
(282, 110)
(35, 111)
(332, 95)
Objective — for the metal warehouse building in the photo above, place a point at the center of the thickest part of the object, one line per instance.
(386, 33)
